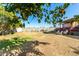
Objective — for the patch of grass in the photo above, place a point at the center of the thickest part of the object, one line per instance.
(28, 38)
(12, 43)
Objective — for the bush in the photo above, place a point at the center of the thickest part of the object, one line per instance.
(12, 43)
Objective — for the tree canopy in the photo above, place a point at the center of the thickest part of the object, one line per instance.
(10, 10)
(8, 20)
(24, 9)
(58, 13)
(76, 17)
(36, 9)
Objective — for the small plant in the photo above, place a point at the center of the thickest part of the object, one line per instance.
(12, 43)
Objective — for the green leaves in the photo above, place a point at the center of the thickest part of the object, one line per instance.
(58, 13)
(48, 4)
(76, 17)
(27, 9)
(8, 20)
(66, 5)
(47, 20)
(12, 43)
(39, 20)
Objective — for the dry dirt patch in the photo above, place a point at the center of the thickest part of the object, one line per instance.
(58, 44)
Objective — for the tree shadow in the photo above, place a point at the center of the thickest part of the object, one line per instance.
(51, 32)
(72, 36)
(75, 50)
(20, 47)
(30, 48)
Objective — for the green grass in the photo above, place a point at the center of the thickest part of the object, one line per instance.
(28, 38)
(14, 42)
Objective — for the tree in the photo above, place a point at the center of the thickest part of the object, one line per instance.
(24, 9)
(76, 17)
(8, 20)
(58, 13)
(36, 9)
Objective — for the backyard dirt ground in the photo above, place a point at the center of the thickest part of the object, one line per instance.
(59, 45)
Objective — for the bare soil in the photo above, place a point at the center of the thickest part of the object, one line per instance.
(58, 45)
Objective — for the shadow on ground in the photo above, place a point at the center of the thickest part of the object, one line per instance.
(75, 50)
(73, 36)
(51, 32)
(29, 48)
(20, 47)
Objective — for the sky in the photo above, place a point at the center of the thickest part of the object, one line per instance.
(72, 10)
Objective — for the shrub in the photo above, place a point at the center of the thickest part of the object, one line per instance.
(12, 43)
